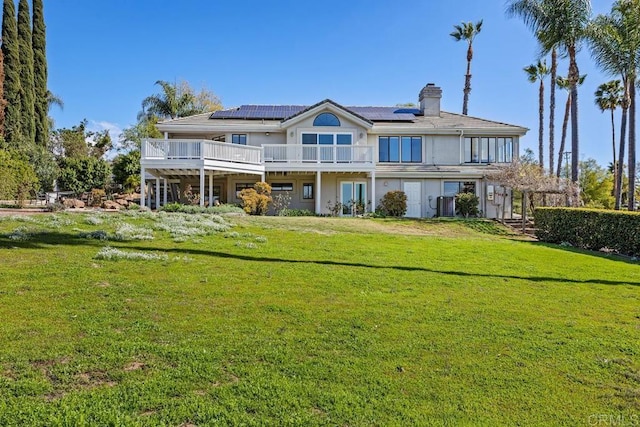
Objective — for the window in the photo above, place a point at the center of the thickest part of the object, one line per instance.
(239, 138)
(488, 150)
(279, 186)
(394, 149)
(451, 188)
(307, 191)
(326, 119)
(334, 147)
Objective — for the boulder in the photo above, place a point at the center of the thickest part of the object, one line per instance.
(73, 203)
(122, 202)
(111, 205)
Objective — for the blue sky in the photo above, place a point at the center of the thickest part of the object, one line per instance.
(105, 55)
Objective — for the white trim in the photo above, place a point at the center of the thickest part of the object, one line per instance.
(324, 107)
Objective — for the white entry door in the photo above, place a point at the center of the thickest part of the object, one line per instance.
(414, 199)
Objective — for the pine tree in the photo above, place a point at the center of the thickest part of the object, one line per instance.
(13, 133)
(27, 99)
(40, 74)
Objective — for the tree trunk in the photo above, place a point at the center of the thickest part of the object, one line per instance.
(552, 107)
(632, 143)
(563, 138)
(620, 174)
(467, 86)
(574, 76)
(541, 125)
(613, 142)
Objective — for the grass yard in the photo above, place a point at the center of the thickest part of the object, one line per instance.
(177, 320)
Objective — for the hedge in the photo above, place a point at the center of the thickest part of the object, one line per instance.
(592, 229)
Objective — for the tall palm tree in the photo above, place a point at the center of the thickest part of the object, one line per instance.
(170, 103)
(537, 73)
(467, 31)
(563, 83)
(560, 24)
(615, 46)
(608, 97)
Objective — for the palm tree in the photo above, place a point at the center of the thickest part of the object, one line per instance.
(615, 45)
(609, 97)
(559, 24)
(563, 83)
(467, 31)
(171, 103)
(537, 73)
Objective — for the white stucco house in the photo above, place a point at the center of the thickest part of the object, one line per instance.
(327, 153)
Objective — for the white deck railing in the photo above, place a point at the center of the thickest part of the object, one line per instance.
(292, 153)
(191, 149)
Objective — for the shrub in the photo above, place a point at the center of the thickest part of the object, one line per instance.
(281, 203)
(467, 204)
(255, 201)
(299, 212)
(393, 203)
(591, 229)
(191, 209)
(54, 207)
(96, 196)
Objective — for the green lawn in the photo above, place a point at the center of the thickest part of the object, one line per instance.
(309, 321)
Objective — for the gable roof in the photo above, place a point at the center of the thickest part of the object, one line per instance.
(328, 103)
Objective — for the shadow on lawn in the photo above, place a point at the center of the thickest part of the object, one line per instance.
(48, 239)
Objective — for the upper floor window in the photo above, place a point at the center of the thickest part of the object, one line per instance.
(327, 138)
(405, 149)
(488, 150)
(326, 119)
(239, 138)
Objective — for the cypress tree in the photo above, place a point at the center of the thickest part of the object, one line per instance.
(40, 74)
(27, 99)
(3, 102)
(12, 131)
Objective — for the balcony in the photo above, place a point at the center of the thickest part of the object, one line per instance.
(318, 157)
(190, 149)
(190, 154)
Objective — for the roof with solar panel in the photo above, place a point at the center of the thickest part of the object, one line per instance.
(285, 112)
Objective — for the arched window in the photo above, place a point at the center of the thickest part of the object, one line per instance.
(326, 119)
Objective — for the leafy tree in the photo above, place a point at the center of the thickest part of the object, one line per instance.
(131, 137)
(537, 73)
(467, 31)
(41, 106)
(596, 184)
(562, 25)
(608, 96)
(126, 169)
(12, 132)
(100, 143)
(71, 143)
(83, 174)
(27, 100)
(17, 177)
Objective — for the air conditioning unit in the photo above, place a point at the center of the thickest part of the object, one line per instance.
(446, 206)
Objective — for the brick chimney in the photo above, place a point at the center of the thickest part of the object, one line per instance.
(429, 100)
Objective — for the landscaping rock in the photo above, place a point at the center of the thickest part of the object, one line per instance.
(110, 204)
(73, 203)
(122, 202)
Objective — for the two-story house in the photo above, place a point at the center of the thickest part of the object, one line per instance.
(328, 153)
